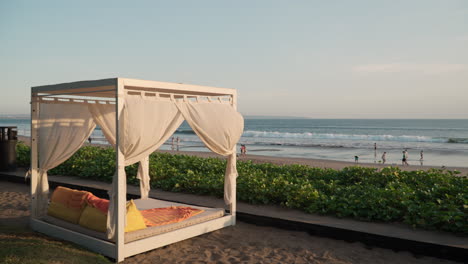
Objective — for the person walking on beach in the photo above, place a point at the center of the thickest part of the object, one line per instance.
(178, 141)
(243, 150)
(384, 157)
(172, 143)
(405, 158)
(356, 159)
(422, 158)
(89, 140)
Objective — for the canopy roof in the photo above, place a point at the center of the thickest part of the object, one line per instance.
(107, 88)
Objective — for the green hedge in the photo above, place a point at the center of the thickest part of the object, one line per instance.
(434, 199)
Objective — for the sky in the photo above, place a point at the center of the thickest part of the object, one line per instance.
(315, 59)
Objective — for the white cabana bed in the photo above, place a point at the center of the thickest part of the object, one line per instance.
(136, 117)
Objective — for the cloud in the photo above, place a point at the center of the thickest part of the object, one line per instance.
(410, 68)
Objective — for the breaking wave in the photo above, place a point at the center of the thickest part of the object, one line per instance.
(402, 138)
(185, 131)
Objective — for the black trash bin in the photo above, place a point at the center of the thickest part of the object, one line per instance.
(8, 140)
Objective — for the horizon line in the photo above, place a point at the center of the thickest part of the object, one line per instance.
(299, 117)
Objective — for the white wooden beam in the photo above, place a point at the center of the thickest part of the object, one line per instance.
(121, 192)
(34, 150)
(97, 245)
(89, 85)
(143, 245)
(233, 205)
(176, 87)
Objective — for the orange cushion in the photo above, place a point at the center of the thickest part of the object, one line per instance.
(68, 197)
(67, 204)
(168, 215)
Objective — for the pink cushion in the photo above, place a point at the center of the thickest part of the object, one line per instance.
(99, 203)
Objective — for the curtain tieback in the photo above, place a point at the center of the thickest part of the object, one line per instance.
(27, 174)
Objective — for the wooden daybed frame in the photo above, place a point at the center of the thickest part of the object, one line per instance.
(111, 91)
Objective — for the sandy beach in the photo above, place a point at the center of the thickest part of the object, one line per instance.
(243, 243)
(320, 163)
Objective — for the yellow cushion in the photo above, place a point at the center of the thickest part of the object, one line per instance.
(63, 212)
(135, 220)
(93, 219)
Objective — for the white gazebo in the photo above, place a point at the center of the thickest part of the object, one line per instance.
(136, 117)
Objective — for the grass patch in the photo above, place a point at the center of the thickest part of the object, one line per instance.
(22, 246)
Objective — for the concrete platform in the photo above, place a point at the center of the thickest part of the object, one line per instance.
(394, 236)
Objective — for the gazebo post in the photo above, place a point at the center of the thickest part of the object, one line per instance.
(121, 181)
(34, 149)
(233, 205)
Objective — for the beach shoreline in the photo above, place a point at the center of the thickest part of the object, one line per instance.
(319, 163)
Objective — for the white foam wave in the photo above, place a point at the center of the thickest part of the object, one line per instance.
(403, 138)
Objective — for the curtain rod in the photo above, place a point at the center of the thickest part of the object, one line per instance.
(72, 93)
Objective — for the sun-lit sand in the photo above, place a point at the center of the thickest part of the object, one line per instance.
(331, 164)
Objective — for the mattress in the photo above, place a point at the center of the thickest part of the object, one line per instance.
(143, 204)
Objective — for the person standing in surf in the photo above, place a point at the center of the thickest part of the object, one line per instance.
(375, 152)
(384, 157)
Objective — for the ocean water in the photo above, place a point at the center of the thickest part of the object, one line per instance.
(443, 142)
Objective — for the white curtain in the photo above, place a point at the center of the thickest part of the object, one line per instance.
(220, 127)
(62, 130)
(104, 116)
(143, 176)
(147, 124)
